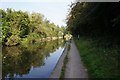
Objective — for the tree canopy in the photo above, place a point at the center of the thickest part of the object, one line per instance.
(94, 19)
(18, 26)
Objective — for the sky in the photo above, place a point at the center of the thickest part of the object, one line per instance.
(53, 10)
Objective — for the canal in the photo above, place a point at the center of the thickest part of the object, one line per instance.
(31, 61)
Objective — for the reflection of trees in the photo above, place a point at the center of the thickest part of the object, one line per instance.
(19, 60)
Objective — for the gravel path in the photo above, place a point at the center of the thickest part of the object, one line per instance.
(74, 67)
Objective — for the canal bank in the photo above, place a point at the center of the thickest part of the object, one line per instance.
(56, 73)
(73, 68)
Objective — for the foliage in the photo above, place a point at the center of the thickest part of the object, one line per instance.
(94, 19)
(13, 40)
(98, 28)
(18, 25)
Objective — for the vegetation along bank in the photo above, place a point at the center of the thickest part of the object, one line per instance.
(96, 31)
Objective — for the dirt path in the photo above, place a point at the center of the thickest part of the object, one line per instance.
(74, 67)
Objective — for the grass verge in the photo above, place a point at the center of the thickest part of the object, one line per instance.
(100, 61)
(64, 64)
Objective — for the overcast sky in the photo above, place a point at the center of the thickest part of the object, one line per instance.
(53, 10)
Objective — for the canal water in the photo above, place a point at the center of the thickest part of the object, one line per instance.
(31, 61)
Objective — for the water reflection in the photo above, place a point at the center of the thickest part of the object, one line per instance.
(21, 60)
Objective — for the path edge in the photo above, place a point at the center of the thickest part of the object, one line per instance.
(58, 67)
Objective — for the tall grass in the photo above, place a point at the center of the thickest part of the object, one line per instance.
(100, 61)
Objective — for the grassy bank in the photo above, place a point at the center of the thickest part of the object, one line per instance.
(63, 68)
(101, 61)
(62, 75)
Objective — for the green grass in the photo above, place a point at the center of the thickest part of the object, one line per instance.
(64, 64)
(100, 61)
(63, 68)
